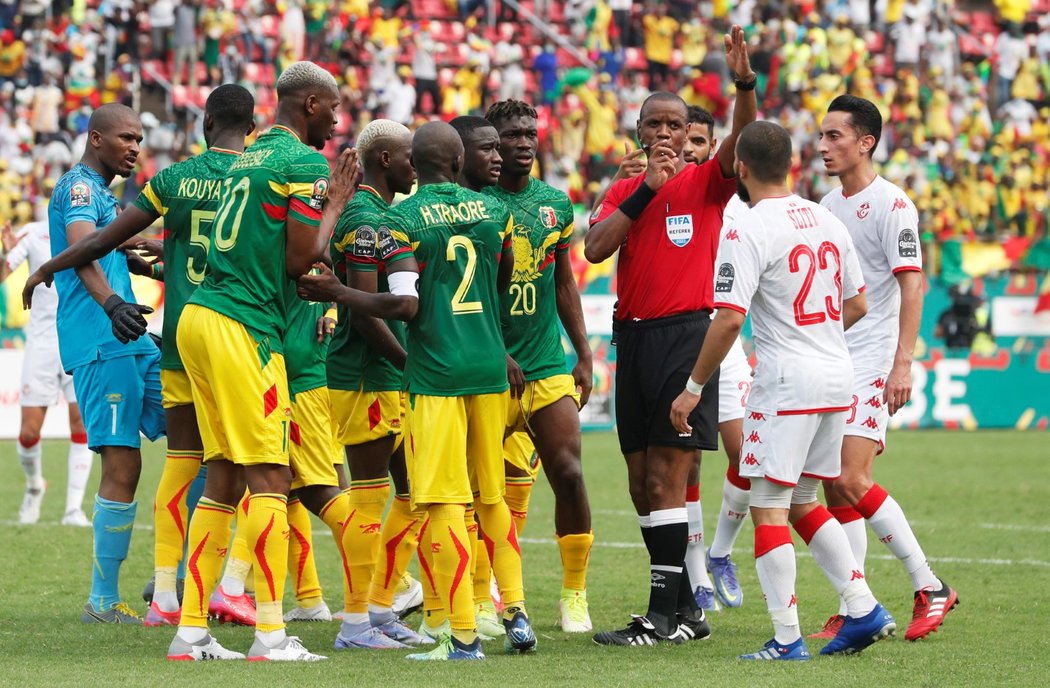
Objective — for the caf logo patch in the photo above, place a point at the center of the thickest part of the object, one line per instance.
(365, 242)
(319, 193)
(547, 217)
(724, 279)
(907, 246)
(387, 245)
(79, 195)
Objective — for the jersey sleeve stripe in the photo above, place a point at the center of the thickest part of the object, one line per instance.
(276, 212)
(292, 189)
(907, 268)
(730, 306)
(154, 200)
(299, 207)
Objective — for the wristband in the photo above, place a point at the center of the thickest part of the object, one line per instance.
(636, 203)
(693, 387)
(156, 271)
(746, 85)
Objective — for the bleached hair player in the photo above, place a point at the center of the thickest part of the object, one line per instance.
(304, 76)
(376, 131)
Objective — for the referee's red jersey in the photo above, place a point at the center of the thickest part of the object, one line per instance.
(666, 264)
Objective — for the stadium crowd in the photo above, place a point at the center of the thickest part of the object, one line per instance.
(965, 95)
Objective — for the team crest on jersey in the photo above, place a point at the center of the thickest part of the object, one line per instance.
(319, 193)
(724, 279)
(863, 210)
(679, 229)
(79, 195)
(547, 216)
(907, 246)
(365, 242)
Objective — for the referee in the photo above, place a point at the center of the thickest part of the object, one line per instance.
(665, 224)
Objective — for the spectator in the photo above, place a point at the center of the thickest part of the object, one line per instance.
(546, 67)
(424, 68)
(184, 42)
(621, 10)
(12, 56)
(660, 30)
(1010, 50)
(161, 23)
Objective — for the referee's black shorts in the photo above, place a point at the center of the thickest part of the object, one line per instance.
(653, 361)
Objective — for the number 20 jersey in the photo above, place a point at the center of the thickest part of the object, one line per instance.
(276, 178)
(791, 264)
(187, 195)
(455, 347)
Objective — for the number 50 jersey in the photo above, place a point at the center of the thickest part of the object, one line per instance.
(276, 178)
(455, 347)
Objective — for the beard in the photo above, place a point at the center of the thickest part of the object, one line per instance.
(741, 191)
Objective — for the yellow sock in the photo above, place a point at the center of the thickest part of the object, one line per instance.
(433, 610)
(361, 537)
(267, 534)
(169, 514)
(501, 539)
(239, 563)
(517, 498)
(209, 537)
(398, 541)
(482, 572)
(301, 563)
(452, 567)
(335, 514)
(575, 552)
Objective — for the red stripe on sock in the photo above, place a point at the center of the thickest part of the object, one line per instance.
(260, 557)
(808, 525)
(422, 559)
(178, 500)
(734, 478)
(304, 550)
(768, 538)
(464, 561)
(78, 438)
(871, 501)
(195, 571)
(512, 538)
(29, 445)
(692, 493)
(391, 551)
(844, 514)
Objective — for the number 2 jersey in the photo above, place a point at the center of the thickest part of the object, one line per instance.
(187, 195)
(791, 263)
(276, 178)
(543, 225)
(458, 236)
(884, 226)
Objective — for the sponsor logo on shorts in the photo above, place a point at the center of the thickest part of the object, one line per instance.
(874, 402)
(79, 195)
(864, 210)
(753, 438)
(365, 242)
(907, 246)
(750, 460)
(871, 423)
(725, 278)
(547, 217)
(879, 383)
(679, 229)
(756, 416)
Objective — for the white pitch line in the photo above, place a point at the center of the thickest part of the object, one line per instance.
(1007, 526)
(881, 557)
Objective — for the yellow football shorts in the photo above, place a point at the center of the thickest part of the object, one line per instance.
(239, 388)
(310, 445)
(539, 394)
(359, 417)
(175, 388)
(520, 452)
(454, 448)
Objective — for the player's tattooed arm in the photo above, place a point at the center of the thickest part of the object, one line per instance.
(570, 311)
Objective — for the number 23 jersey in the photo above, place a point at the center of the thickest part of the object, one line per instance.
(455, 347)
(791, 263)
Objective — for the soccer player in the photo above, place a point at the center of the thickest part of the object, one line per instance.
(792, 265)
(365, 363)
(456, 378)
(884, 225)
(42, 380)
(186, 195)
(278, 208)
(734, 382)
(115, 371)
(669, 218)
(542, 292)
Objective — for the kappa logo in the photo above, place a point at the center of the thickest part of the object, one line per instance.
(874, 402)
(879, 383)
(725, 278)
(898, 204)
(750, 460)
(856, 575)
(870, 423)
(732, 235)
(756, 416)
(753, 438)
(864, 210)
(793, 602)
(907, 246)
(547, 217)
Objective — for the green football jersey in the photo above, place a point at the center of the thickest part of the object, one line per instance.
(362, 243)
(276, 178)
(455, 346)
(543, 224)
(304, 356)
(187, 195)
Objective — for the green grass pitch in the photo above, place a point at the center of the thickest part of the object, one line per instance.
(979, 503)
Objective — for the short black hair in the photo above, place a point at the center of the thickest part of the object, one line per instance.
(697, 115)
(765, 147)
(864, 117)
(508, 109)
(466, 125)
(661, 96)
(232, 106)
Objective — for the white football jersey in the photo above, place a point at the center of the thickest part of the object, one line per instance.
(884, 226)
(35, 246)
(791, 264)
